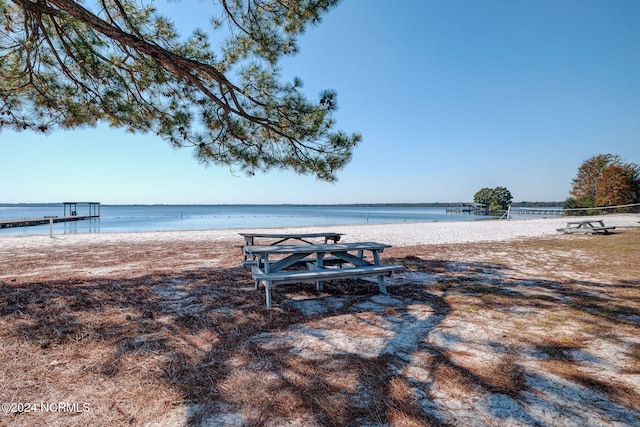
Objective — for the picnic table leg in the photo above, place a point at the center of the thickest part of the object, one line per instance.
(319, 264)
(267, 290)
(381, 286)
(376, 257)
(265, 267)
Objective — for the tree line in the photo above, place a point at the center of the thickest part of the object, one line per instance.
(602, 181)
(605, 180)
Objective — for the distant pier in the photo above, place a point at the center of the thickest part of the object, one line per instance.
(72, 215)
(470, 208)
(28, 222)
(536, 211)
(478, 209)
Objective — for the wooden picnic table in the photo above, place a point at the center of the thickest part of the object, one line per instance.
(249, 238)
(589, 226)
(315, 258)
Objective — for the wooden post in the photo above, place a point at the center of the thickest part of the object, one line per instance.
(51, 227)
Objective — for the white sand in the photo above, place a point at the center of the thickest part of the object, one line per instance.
(404, 234)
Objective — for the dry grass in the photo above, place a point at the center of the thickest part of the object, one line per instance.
(158, 334)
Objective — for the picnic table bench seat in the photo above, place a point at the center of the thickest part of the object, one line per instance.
(315, 275)
(328, 261)
(318, 275)
(605, 229)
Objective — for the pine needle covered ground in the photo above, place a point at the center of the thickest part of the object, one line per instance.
(528, 332)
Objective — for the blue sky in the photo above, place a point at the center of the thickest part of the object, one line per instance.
(450, 97)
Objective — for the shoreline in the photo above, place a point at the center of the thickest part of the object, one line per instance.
(397, 234)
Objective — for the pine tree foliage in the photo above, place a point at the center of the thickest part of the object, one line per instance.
(66, 64)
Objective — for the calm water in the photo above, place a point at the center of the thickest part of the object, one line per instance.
(126, 218)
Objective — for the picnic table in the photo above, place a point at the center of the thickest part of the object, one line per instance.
(322, 262)
(249, 238)
(589, 226)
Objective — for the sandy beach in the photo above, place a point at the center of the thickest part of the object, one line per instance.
(93, 253)
(491, 323)
(403, 234)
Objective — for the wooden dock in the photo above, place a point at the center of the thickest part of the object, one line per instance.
(28, 222)
(71, 207)
(470, 208)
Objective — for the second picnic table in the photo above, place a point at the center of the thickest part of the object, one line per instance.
(589, 226)
(319, 260)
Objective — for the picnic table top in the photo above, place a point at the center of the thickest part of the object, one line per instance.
(585, 221)
(328, 248)
(292, 235)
